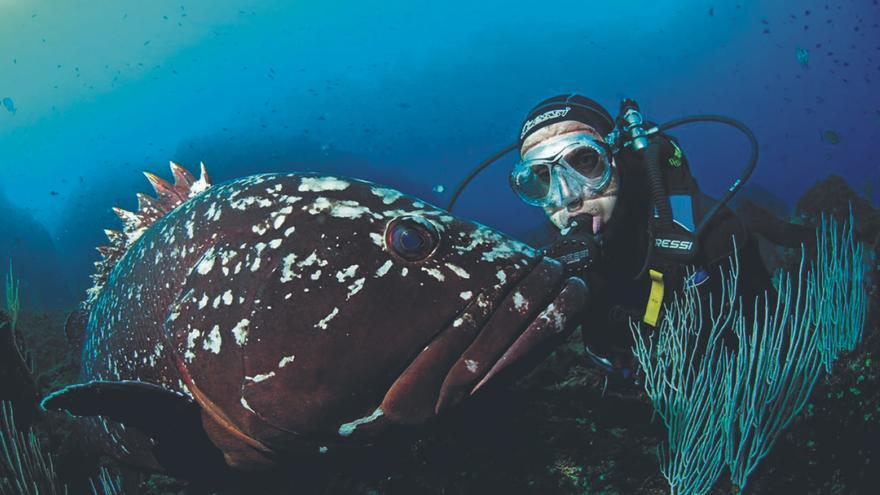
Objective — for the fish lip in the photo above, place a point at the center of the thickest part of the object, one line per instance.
(433, 379)
(553, 319)
(524, 302)
(412, 397)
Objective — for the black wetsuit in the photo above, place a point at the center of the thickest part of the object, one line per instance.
(619, 293)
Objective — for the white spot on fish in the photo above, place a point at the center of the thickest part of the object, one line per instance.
(240, 331)
(434, 273)
(347, 273)
(471, 365)
(355, 287)
(554, 317)
(259, 229)
(384, 269)
(279, 221)
(502, 277)
(191, 343)
(285, 361)
(260, 378)
(519, 301)
(311, 260)
(227, 297)
(245, 203)
(320, 184)
(247, 406)
(342, 208)
(349, 209)
(287, 273)
(207, 262)
(504, 250)
(323, 323)
(348, 428)
(388, 195)
(466, 295)
(212, 340)
(458, 270)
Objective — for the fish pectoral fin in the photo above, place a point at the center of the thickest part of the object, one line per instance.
(135, 403)
(172, 420)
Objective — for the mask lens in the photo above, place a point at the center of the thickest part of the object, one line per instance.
(586, 161)
(532, 182)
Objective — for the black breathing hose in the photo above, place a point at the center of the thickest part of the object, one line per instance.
(479, 168)
(750, 166)
(656, 187)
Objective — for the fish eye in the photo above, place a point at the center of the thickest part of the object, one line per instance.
(412, 238)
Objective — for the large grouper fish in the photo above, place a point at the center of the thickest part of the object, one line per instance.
(279, 316)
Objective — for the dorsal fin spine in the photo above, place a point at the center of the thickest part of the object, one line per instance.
(134, 224)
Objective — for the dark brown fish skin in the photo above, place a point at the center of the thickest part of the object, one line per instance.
(274, 302)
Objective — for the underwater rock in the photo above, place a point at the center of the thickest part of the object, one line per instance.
(834, 196)
(37, 261)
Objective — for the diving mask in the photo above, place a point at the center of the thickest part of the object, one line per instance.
(579, 162)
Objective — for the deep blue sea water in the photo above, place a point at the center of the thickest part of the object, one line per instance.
(405, 93)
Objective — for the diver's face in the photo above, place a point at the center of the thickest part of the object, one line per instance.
(576, 202)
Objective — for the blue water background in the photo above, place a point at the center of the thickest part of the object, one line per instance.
(410, 94)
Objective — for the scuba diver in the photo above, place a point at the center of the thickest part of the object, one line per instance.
(630, 217)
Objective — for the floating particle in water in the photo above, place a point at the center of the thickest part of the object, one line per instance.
(830, 137)
(711, 11)
(439, 188)
(9, 105)
(803, 57)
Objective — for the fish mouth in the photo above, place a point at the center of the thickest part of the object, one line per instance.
(503, 327)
